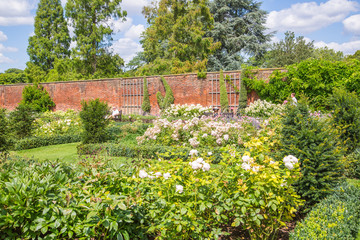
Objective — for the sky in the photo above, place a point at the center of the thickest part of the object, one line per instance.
(331, 23)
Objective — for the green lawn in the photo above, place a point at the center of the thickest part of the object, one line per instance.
(64, 153)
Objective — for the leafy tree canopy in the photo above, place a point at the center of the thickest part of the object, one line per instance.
(239, 26)
(51, 39)
(175, 38)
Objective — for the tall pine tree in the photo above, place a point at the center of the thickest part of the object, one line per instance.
(240, 27)
(51, 39)
(92, 32)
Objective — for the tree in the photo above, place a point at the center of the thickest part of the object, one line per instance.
(168, 99)
(224, 101)
(12, 75)
(176, 35)
(289, 51)
(37, 98)
(22, 121)
(242, 96)
(239, 26)
(91, 30)
(328, 54)
(51, 38)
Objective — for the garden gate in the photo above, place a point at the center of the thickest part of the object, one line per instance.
(132, 95)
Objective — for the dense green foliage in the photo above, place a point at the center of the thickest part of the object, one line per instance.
(313, 78)
(92, 34)
(174, 42)
(346, 115)
(146, 107)
(240, 28)
(22, 121)
(336, 217)
(242, 96)
(289, 51)
(352, 164)
(168, 99)
(37, 98)
(12, 75)
(94, 116)
(51, 38)
(224, 101)
(5, 142)
(318, 149)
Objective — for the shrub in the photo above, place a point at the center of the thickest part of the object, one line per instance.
(224, 101)
(146, 107)
(263, 109)
(5, 142)
(185, 111)
(36, 97)
(352, 164)
(22, 121)
(165, 102)
(41, 141)
(336, 217)
(316, 145)
(346, 115)
(242, 96)
(94, 115)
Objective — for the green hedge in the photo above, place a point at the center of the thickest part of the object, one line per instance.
(336, 217)
(35, 142)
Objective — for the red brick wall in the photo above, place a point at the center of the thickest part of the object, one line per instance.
(187, 88)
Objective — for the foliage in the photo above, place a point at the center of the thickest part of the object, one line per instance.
(94, 116)
(352, 164)
(336, 217)
(41, 141)
(263, 109)
(185, 111)
(57, 201)
(174, 41)
(240, 28)
(12, 75)
(316, 145)
(242, 95)
(289, 51)
(346, 115)
(224, 101)
(328, 54)
(5, 142)
(92, 34)
(168, 99)
(51, 38)
(22, 121)
(146, 107)
(37, 98)
(57, 123)
(34, 73)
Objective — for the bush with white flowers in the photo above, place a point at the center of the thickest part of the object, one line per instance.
(263, 109)
(185, 110)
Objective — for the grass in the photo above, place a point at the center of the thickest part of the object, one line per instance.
(63, 153)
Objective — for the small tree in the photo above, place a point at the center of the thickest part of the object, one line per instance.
(22, 121)
(146, 107)
(316, 146)
(224, 101)
(165, 102)
(94, 115)
(36, 97)
(5, 142)
(242, 97)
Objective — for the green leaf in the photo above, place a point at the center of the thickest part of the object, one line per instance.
(183, 211)
(243, 210)
(178, 228)
(126, 235)
(202, 207)
(114, 225)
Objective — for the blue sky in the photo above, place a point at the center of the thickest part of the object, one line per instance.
(331, 23)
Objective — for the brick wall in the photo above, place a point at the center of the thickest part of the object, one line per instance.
(126, 93)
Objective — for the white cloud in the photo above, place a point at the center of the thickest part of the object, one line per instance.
(134, 6)
(347, 47)
(135, 31)
(16, 12)
(309, 16)
(7, 49)
(126, 48)
(3, 37)
(4, 59)
(352, 24)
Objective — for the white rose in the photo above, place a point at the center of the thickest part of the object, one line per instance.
(166, 175)
(143, 174)
(179, 188)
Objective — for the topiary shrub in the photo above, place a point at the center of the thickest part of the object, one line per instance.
(242, 97)
(94, 115)
(36, 97)
(146, 107)
(22, 121)
(346, 115)
(316, 146)
(224, 102)
(168, 99)
(5, 143)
